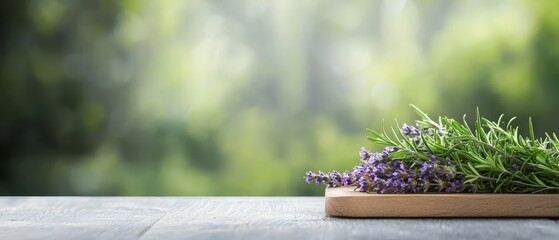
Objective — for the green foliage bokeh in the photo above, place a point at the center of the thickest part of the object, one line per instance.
(140, 97)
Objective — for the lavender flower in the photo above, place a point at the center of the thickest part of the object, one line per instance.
(335, 179)
(310, 177)
(347, 178)
(364, 184)
(364, 154)
(379, 173)
(377, 158)
(321, 178)
(409, 131)
(388, 150)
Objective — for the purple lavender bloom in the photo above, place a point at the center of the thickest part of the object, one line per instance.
(450, 175)
(358, 171)
(409, 131)
(321, 178)
(440, 170)
(418, 186)
(403, 167)
(364, 154)
(377, 157)
(400, 174)
(382, 174)
(402, 184)
(381, 188)
(425, 168)
(433, 157)
(363, 185)
(388, 150)
(310, 177)
(347, 178)
(379, 169)
(388, 182)
(335, 175)
(456, 186)
(336, 179)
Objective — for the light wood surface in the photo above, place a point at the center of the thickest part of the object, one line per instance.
(234, 218)
(344, 202)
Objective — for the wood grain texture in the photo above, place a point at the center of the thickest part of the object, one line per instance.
(233, 218)
(344, 202)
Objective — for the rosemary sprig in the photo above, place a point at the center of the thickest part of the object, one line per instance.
(493, 156)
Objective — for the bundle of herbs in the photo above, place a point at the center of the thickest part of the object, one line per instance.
(450, 156)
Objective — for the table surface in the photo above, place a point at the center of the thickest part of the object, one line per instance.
(234, 218)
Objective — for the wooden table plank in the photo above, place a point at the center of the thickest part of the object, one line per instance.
(233, 218)
(76, 218)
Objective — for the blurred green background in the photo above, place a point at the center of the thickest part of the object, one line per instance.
(216, 97)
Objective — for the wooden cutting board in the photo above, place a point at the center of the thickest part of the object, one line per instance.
(344, 202)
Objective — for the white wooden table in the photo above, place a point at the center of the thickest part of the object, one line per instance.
(233, 218)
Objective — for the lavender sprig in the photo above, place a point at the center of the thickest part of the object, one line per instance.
(382, 174)
(448, 156)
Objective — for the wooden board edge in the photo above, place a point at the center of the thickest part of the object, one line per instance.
(344, 202)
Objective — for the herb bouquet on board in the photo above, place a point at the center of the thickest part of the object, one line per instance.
(449, 156)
